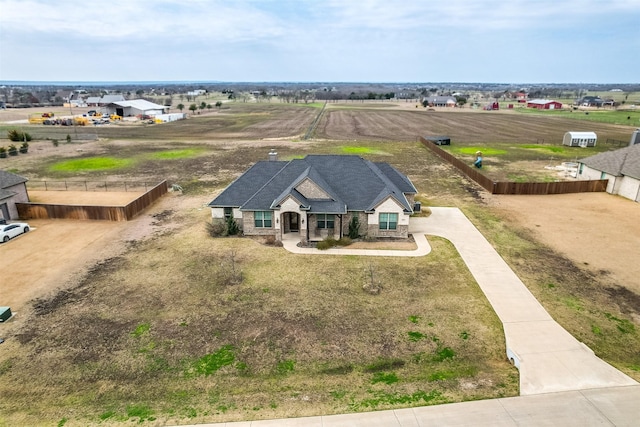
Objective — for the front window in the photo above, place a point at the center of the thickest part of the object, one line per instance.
(388, 221)
(326, 221)
(228, 213)
(262, 219)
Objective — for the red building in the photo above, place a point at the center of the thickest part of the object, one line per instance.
(544, 104)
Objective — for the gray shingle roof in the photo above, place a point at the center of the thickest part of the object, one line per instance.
(353, 183)
(8, 179)
(621, 162)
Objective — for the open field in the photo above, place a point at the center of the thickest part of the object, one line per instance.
(148, 326)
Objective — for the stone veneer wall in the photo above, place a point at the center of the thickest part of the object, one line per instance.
(250, 228)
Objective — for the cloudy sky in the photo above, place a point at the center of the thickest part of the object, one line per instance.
(509, 41)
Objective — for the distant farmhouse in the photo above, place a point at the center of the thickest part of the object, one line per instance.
(621, 167)
(13, 189)
(439, 101)
(317, 197)
(544, 104)
(590, 101)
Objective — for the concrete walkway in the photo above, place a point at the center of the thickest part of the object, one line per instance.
(561, 381)
(616, 406)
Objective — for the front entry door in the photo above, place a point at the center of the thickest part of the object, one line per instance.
(293, 222)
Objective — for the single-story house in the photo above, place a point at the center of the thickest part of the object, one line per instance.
(544, 104)
(439, 101)
(580, 139)
(135, 107)
(13, 189)
(590, 101)
(621, 167)
(317, 197)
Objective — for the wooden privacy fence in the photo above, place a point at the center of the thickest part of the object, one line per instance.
(107, 213)
(560, 187)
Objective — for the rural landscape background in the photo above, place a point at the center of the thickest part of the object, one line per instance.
(145, 325)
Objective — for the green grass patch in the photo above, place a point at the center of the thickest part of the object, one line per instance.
(551, 148)
(285, 366)
(623, 325)
(141, 412)
(415, 336)
(211, 363)
(444, 354)
(384, 377)
(92, 164)
(360, 150)
(486, 151)
(384, 398)
(141, 329)
(185, 153)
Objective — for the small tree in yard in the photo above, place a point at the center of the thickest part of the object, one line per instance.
(354, 228)
(218, 104)
(180, 107)
(232, 227)
(193, 108)
(18, 136)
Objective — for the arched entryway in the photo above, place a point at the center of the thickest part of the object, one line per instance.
(291, 222)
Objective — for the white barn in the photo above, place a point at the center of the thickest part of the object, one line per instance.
(621, 167)
(580, 139)
(135, 107)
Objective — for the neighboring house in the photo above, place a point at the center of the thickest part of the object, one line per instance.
(13, 189)
(591, 101)
(544, 104)
(522, 97)
(621, 167)
(580, 139)
(317, 197)
(135, 107)
(440, 101)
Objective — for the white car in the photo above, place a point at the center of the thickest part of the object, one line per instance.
(9, 231)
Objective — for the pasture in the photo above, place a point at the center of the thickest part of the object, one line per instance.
(160, 334)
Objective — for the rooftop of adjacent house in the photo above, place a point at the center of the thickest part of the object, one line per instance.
(621, 162)
(8, 179)
(350, 183)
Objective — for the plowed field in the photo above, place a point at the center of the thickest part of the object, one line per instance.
(468, 126)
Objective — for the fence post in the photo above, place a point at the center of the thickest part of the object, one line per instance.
(125, 186)
(66, 187)
(45, 186)
(105, 186)
(85, 186)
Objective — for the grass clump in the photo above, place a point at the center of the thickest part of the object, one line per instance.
(211, 363)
